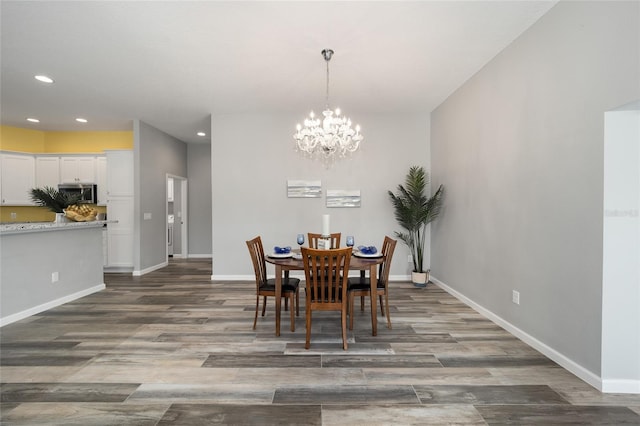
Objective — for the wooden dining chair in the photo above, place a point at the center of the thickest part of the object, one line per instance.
(326, 292)
(313, 239)
(361, 286)
(267, 286)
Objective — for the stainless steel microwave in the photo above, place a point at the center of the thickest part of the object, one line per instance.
(88, 191)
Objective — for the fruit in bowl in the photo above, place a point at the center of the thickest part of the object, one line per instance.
(81, 213)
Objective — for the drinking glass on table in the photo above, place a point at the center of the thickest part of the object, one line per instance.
(300, 239)
(349, 240)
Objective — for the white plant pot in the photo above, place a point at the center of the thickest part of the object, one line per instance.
(420, 279)
(61, 218)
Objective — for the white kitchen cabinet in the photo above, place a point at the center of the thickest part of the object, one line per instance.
(120, 207)
(119, 173)
(101, 180)
(75, 169)
(18, 178)
(120, 235)
(47, 171)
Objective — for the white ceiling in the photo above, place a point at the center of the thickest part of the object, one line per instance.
(172, 64)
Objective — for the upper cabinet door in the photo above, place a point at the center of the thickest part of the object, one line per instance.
(77, 169)
(87, 169)
(18, 178)
(68, 170)
(47, 172)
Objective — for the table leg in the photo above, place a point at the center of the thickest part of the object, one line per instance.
(374, 298)
(278, 297)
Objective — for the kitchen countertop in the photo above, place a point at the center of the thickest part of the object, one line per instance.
(23, 227)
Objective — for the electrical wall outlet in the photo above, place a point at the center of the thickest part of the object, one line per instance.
(54, 277)
(14, 215)
(515, 297)
(146, 216)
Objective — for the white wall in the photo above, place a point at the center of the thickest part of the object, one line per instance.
(519, 148)
(621, 252)
(252, 158)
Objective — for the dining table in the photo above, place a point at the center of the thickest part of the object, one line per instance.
(295, 263)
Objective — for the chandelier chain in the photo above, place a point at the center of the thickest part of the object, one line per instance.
(327, 98)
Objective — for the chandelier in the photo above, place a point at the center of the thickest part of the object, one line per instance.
(330, 137)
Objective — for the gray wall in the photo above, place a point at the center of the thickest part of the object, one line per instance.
(520, 150)
(254, 155)
(28, 260)
(156, 154)
(199, 204)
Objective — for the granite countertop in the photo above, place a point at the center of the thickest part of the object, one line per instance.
(22, 227)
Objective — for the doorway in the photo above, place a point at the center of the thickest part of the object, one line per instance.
(176, 217)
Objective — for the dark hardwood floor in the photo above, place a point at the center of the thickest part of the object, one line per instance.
(172, 347)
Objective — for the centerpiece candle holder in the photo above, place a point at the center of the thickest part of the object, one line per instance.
(324, 242)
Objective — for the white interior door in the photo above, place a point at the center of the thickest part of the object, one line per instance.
(177, 206)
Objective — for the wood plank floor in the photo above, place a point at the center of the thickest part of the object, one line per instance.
(172, 347)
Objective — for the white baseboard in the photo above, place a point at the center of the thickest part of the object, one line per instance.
(245, 277)
(49, 305)
(118, 269)
(199, 256)
(150, 269)
(233, 277)
(296, 274)
(620, 386)
(398, 278)
(567, 363)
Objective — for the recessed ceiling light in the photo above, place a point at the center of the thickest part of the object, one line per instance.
(33, 120)
(81, 120)
(201, 134)
(44, 78)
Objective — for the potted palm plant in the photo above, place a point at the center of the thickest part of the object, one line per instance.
(414, 210)
(54, 200)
